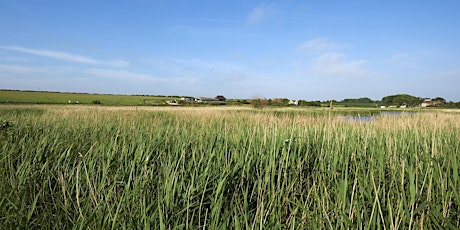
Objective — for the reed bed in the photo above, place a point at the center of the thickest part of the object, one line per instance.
(226, 168)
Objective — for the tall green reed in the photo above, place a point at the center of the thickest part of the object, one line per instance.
(96, 167)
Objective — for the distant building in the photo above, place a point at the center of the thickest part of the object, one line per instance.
(220, 98)
(427, 102)
(188, 99)
(206, 99)
(173, 102)
(294, 102)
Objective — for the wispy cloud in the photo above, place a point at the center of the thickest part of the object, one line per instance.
(140, 78)
(259, 13)
(334, 65)
(54, 54)
(328, 61)
(204, 65)
(398, 57)
(123, 75)
(404, 60)
(16, 69)
(319, 45)
(117, 63)
(452, 74)
(194, 67)
(65, 56)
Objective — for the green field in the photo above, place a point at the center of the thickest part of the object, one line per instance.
(100, 167)
(36, 97)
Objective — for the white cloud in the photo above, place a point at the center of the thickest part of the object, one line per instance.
(259, 13)
(122, 75)
(326, 61)
(318, 45)
(193, 67)
(398, 57)
(15, 69)
(204, 65)
(451, 73)
(65, 56)
(333, 65)
(136, 77)
(404, 60)
(54, 54)
(117, 63)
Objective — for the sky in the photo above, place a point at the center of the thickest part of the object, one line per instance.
(242, 49)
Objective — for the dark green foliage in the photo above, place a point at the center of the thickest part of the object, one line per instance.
(363, 100)
(453, 105)
(360, 102)
(401, 99)
(310, 103)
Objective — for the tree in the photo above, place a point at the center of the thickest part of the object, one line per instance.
(277, 101)
(440, 99)
(285, 101)
(310, 103)
(363, 100)
(401, 99)
(258, 102)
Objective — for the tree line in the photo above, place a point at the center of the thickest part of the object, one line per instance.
(392, 100)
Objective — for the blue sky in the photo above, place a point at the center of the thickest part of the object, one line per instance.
(311, 50)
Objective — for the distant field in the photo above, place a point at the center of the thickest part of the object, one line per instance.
(30, 97)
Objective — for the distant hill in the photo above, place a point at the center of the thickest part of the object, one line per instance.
(401, 99)
(360, 102)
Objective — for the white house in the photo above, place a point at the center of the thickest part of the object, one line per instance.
(173, 102)
(206, 99)
(426, 102)
(294, 102)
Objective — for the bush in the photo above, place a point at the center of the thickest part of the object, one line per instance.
(259, 103)
(96, 102)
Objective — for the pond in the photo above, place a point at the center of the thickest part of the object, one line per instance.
(359, 118)
(365, 119)
(396, 113)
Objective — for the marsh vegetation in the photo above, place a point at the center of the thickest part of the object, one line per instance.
(241, 168)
